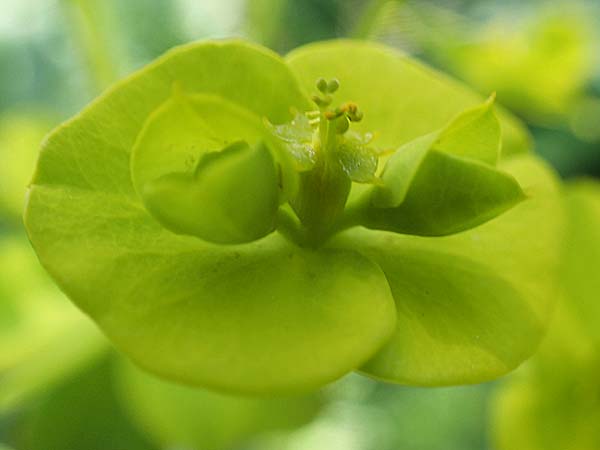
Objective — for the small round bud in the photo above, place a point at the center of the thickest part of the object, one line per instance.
(333, 85)
(322, 85)
(322, 101)
(357, 116)
(330, 115)
(341, 125)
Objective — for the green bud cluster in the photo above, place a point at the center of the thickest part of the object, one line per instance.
(324, 189)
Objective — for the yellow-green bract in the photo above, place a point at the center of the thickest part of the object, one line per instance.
(555, 403)
(302, 293)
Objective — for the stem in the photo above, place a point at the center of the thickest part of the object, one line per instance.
(353, 215)
(323, 129)
(323, 191)
(363, 29)
(289, 227)
(93, 30)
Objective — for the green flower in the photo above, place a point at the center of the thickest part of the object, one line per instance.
(225, 228)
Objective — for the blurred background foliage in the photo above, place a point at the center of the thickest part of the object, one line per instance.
(63, 388)
(554, 402)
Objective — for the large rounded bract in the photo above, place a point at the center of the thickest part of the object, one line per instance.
(202, 167)
(271, 315)
(472, 306)
(20, 137)
(261, 317)
(402, 98)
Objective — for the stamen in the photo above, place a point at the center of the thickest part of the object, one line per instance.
(322, 102)
(349, 111)
(330, 115)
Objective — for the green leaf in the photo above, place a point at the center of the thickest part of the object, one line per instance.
(471, 306)
(400, 171)
(582, 255)
(92, 151)
(175, 137)
(554, 404)
(256, 318)
(447, 195)
(269, 315)
(474, 134)
(82, 412)
(262, 317)
(74, 346)
(180, 416)
(185, 128)
(401, 98)
(526, 416)
(38, 325)
(32, 311)
(232, 197)
(515, 63)
(20, 138)
(444, 182)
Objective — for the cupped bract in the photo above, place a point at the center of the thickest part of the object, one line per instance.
(446, 181)
(230, 198)
(155, 210)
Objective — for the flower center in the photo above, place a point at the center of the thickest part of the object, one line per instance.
(329, 156)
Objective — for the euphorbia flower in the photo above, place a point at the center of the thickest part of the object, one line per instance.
(224, 220)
